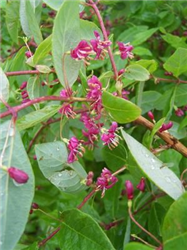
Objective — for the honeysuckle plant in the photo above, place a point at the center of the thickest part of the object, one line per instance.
(93, 101)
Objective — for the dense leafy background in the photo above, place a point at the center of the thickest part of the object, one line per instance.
(158, 32)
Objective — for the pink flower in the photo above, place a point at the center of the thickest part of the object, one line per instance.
(74, 147)
(129, 190)
(82, 51)
(165, 126)
(18, 175)
(98, 45)
(66, 93)
(179, 112)
(24, 94)
(124, 94)
(141, 185)
(28, 54)
(125, 49)
(111, 138)
(67, 110)
(121, 71)
(106, 181)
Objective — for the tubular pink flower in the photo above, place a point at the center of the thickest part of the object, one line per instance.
(179, 112)
(75, 149)
(165, 126)
(23, 85)
(141, 185)
(111, 139)
(125, 49)
(67, 110)
(129, 190)
(151, 115)
(82, 51)
(18, 175)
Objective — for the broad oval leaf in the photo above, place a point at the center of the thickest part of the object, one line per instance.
(174, 229)
(80, 231)
(4, 86)
(177, 62)
(137, 246)
(121, 110)
(87, 29)
(137, 73)
(66, 36)
(15, 199)
(154, 169)
(52, 160)
(43, 50)
(35, 117)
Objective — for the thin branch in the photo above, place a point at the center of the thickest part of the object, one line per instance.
(43, 99)
(167, 137)
(97, 12)
(40, 244)
(87, 198)
(158, 79)
(26, 72)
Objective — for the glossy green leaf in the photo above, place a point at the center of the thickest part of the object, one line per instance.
(143, 36)
(42, 51)
(12, 19)
(183, 123)
(153, 168)
(129, 34)
(120, 110)
(175, 41)
(150, 65)
(137, 246)
(137, 73)
(35, 117)
(177, 62)
(84, 234)
(15, 199)
(4, 86)
(174, 229)
(52, 160)
(33, 89)
(28, 21)
(141, 51)
(66, 36)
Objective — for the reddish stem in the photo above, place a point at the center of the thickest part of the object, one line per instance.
(94, 6)
(43, 99)
(142, 228)
(26, 72)
(49, 237)
(86, 198)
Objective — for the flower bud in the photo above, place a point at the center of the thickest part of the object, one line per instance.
(28, 54)
(35, 206)
(121, 71)
(129, 190)
(151, 115)
(141, 185)
(166, 126)
(179, 112)
(23, 85)
(18, 175)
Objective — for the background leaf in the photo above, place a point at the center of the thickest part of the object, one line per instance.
(163, 177)
(120, 109)
(14, 210)
(66, 36)
(136, 72)
(80, 235)
(4, 86)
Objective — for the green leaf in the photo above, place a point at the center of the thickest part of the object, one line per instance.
(35, 117)
(66, 36)
(174, 229)
(150, 65)
(12, 19)
(33, 89)
(28, 21)
(43, 50)
(175, 41)
(143, 36)
(177, 62)
(15, 199)
(137, 246)
(153, 168)
(84, 234)
(52, 160)
(183, 123)
(149, 98)
(87, 29)
(120, 109)
(129, 34)
(137, 73)
(43, 69)
(156, 127)
(141, 51)
(54, 4)
(4, 86)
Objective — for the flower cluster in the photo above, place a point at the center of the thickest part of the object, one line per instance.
(111, 139)
(75, 148)
(67, 108)
(92, 129)
(105, 181)
(125, 50)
